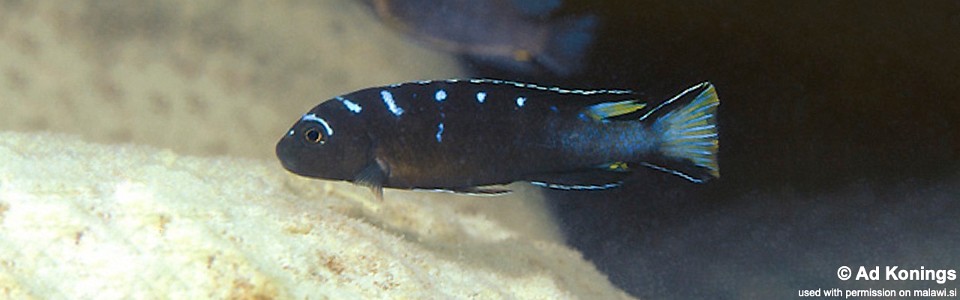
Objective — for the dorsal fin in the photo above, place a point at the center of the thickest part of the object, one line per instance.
(606, 110)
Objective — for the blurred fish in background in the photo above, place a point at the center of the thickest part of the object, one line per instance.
(515, 35)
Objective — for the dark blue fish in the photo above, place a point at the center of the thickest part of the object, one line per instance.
(461, 135)
(510, 33)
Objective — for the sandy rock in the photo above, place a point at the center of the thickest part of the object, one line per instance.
(83, 221)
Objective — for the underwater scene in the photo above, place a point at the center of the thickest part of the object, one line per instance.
(484, 149)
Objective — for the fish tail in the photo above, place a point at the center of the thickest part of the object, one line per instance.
(687, 130)
(568, 42)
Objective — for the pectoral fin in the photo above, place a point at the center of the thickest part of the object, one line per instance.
(373, 176)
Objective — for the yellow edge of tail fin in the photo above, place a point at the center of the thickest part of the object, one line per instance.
(690, 132)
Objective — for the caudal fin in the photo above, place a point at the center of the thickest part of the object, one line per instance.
(689, 140)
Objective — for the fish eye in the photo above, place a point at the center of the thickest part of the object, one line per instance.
(313, 136)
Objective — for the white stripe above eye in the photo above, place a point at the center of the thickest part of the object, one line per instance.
(315, 118)
(391, 105)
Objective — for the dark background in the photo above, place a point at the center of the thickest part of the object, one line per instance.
(839, 145)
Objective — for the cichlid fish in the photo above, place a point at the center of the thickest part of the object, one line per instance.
(465, 135)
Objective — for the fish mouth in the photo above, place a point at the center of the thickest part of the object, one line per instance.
(291, 156)
(286, 156)
(289, 165)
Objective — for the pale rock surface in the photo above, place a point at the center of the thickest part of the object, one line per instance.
(89, 221)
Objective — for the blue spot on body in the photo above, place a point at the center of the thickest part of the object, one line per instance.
(481, 96)
(391, 105)
(521, 101)
(553, 108)
(352, 106)
(440, 132)
(441, 95)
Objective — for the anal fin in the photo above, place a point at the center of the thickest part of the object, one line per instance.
(586, 180)
(484, 191)
(471, 191)
(577, 187)
(685, 173)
